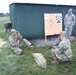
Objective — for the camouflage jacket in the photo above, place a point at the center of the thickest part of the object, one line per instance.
(64, 48)
(14, 40)
(69, 19)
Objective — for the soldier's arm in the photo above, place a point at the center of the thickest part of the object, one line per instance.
(61, 47)
(19, 36)
(65, 20)
(12, 42)
(73, 20)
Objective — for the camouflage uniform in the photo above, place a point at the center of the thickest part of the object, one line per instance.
(17, 41)
(63, 52)
(69, 22)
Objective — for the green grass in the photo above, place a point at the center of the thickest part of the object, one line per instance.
(11, 64)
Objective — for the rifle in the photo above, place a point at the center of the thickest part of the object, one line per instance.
(54, 46)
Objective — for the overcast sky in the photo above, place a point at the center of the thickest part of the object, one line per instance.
(4, 4)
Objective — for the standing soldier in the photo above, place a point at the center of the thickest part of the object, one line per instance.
(69, 22)
(63, 52)
(15, 41)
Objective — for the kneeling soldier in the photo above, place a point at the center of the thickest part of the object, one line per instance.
(15, 40)
(63, 52)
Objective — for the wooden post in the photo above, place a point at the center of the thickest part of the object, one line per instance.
(45, 38)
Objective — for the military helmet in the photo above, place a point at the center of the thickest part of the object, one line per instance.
(63, 33)
(13, 30)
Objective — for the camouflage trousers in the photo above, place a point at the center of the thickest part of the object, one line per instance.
(68, 29)
(17, 50)
(60, 57)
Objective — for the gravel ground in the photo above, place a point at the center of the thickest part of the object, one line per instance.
(50, 41)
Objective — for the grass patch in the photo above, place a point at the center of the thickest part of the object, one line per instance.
(11, 64)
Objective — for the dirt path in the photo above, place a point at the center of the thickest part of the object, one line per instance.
(2, 42)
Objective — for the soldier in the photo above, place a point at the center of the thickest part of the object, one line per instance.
(69, 22)
(16, 40)
(63, 52)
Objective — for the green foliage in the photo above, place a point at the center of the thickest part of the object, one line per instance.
(11, 64)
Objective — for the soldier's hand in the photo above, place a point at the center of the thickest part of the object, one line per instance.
(54, 47)
(18, 41)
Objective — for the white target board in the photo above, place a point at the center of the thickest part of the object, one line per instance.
(52, 24)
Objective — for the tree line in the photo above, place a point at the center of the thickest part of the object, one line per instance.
(4, 14)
